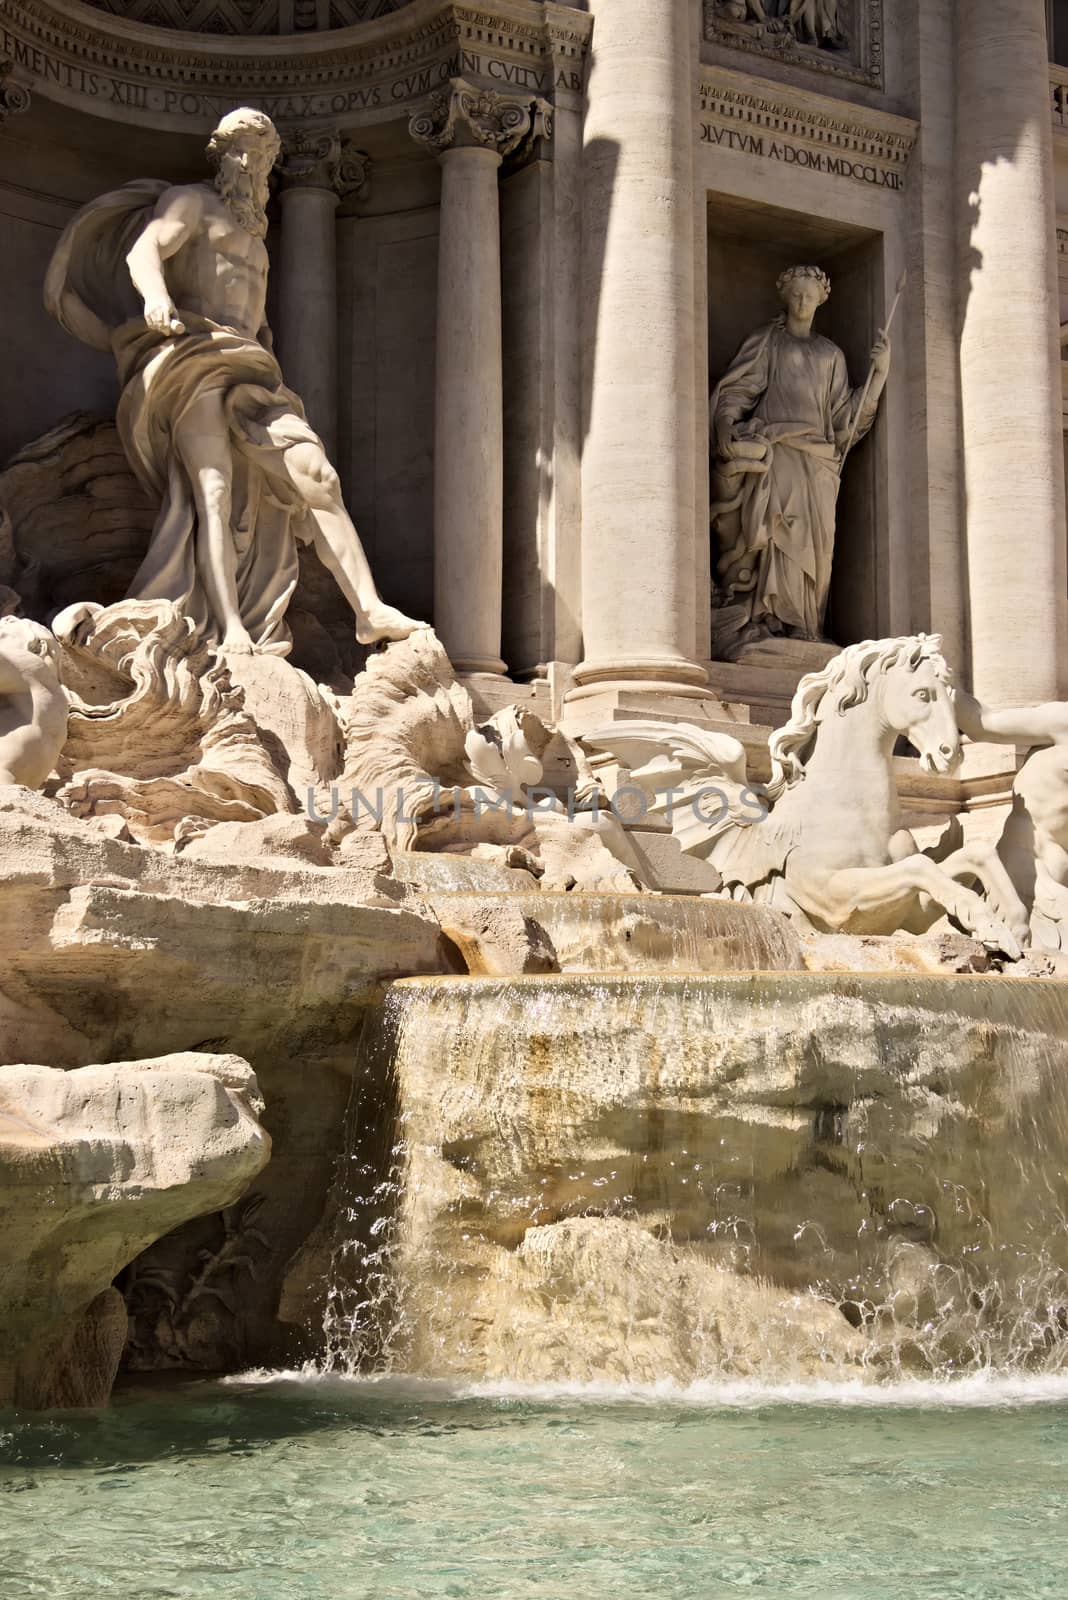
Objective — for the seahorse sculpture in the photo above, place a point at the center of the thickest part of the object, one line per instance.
(825, 844)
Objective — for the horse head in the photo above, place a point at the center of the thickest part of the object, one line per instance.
(916, 699)
(905, 684)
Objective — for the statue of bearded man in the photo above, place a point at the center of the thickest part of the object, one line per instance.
(173, 280)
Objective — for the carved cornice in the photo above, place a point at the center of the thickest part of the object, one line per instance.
(465, 115)
(353, 76)
(14, 97)
(811, 131)
(855, 53)
(318, 158)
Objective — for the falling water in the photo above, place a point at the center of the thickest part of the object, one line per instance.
(650, 933)
(642, 1178)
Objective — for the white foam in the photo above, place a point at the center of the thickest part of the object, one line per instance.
(985, 1389)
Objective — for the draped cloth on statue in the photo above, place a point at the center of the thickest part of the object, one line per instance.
(88, 289)
(775, 488)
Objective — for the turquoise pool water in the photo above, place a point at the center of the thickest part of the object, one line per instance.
(284, 1488)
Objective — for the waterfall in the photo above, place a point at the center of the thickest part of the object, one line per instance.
(651, 933)
(680, 1176)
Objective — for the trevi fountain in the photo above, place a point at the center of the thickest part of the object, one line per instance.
(533, 799)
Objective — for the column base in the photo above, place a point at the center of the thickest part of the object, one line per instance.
(667, 672)
(596, 704)
(469, 666)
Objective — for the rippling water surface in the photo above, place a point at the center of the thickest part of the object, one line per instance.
(280, 1487)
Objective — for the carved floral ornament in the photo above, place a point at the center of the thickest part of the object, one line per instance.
(14, 97)
(318, 158)
(462, 114)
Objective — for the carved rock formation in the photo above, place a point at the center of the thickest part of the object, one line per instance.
(96, 1164)
(157, 733)
(112, 950)
(78, 520)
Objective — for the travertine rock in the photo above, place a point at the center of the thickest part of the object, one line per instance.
(115, 950)
(575, 853)
(78, 519)
(495, 938)
(95, 1164)
(283, 838)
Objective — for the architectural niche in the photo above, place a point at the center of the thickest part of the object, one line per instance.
(249, 16)
(842, 37)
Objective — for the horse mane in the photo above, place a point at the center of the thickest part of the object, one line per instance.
(843, 683)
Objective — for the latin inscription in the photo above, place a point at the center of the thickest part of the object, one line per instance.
(156, 98)
(756, 144)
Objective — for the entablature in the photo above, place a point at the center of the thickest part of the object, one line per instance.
(373, 72)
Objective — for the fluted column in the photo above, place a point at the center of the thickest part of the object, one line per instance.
(1009, 354)
(317, 169)
(470, 131)
(638, 468)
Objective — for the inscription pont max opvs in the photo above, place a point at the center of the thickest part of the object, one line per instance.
(185, 102)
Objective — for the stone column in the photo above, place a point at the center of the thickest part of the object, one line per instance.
(1009, 354)
(470, 131)
(317, 169)
(541, 255)
(638, 468)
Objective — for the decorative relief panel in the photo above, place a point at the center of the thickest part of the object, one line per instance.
(249, 17)
(842, 37)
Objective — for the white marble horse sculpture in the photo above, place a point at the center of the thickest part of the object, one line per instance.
(823, 838)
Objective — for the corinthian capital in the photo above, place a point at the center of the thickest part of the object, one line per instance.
(318, 158)
(14, 97)
(461, 114)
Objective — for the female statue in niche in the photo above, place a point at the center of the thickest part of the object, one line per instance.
(783, 419)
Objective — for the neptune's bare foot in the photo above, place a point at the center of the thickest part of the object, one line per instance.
(384, 622)
(236, 642)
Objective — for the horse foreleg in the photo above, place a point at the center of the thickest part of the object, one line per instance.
(983, 862)
(879, 899)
